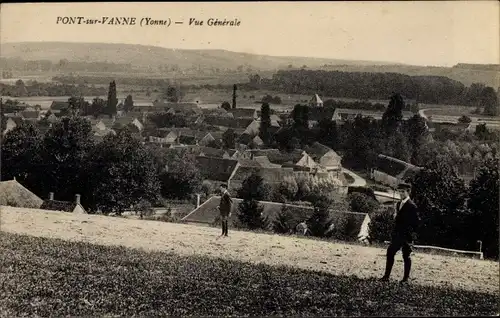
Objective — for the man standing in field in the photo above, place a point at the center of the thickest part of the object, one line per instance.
(225, 208)
(406, 223)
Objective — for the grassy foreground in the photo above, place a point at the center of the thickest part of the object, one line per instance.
(48, 277)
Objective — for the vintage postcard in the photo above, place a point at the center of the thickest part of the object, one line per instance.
(250, 158)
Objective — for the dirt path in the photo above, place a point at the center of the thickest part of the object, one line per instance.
(183, 239)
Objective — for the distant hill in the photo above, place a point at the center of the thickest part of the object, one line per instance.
(154, 59)
(154, 56)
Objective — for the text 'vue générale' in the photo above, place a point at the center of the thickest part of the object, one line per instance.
(144, 21)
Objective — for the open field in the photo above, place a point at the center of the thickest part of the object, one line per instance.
(182, 239)
(454, 110)
(50, 277)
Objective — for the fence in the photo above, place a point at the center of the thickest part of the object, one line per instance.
(446, 251)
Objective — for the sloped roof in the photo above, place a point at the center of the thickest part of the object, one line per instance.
(249, 163)
(187, 140)
(319, 113)
(241, 123)
(316, 99)
(368, 113)
(216, 112)
(12, 193)
(393, 166)
(208, 212)
(318, 150)
(212, 152)
(55, 205)
(31, 114)
(270, 175)
(216, 169)
(243, 112)
(57, 105)
(265, 163)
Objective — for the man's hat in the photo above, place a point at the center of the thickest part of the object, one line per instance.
(404, 186)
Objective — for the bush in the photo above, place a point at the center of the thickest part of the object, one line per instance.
(250, 215)
(381, 225)
(287, 189)
(362, 203)
(320, 221)
(284, 222)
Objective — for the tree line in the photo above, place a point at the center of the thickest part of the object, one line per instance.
(34, 88)
(423, 89)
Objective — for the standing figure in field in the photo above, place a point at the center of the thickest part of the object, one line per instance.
(406, 223)
(225, 208)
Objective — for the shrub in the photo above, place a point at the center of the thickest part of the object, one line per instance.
(143, 208)
(362, 203)
(284, 222)
(250, 215)
(207, 188)
(320, 221)
(287, 188)
(381, 225)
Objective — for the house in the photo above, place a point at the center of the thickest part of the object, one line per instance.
(271, 176)
(206, 140)
(51, 118)
(125, 121)
(264, 162)
(180, 107)
(391, 171)
(343, 114)
(165, 137)
(223, 123)
(57, 107)
(326, 157)
(31, 114)
(12, 193)
(355, 224)
(316, 101)
(216, 170)
(316, 114)
(11, 123)
(248, 113)
(63, 206)
(213, 152)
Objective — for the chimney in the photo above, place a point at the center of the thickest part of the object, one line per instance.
(77, 199)
(51, 195)
(197, 200)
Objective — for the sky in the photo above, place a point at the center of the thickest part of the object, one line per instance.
(438, 33)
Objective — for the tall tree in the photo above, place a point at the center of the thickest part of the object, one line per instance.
(20, 156)
(265, 123)
(483, 202)
(327, 133)
(129, 104)
(66, 148)
(98, 107)
(123, 173)
(393, 116)
(179, 175)
(440, 195)
(489, 101)
(112, 100)
(228, 139)
(234, 96)
(254, 187)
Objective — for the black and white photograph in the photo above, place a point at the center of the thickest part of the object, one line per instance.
(236, 159)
